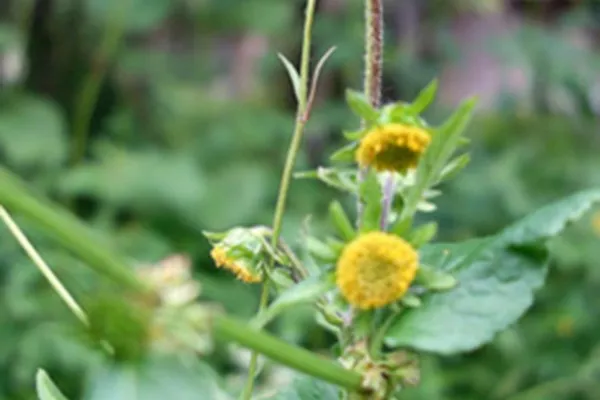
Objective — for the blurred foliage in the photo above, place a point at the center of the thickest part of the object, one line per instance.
(188, 133)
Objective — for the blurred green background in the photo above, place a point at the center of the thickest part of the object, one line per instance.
(156, 119)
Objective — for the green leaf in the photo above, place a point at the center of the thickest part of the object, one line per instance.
(293, 74)
(341, 221)
(444, 142)
(346, 153)
(157, 379)
(423, 234)
(370, 194)
(138, 16)
(497, 277)
(355, 135)
(32, 132)
(360, 106)
(45, 388)
(305, 292)
(425, 97)
(454, 167)
(305, 388)
(435, 279)
(344, 180)
(320, 250)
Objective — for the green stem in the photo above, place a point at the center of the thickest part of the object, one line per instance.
(252, 372)
(90, 89)
(294, 357)
(290, 161)
(68, 231)
(376, 341)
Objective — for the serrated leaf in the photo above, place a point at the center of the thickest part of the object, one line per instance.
(293, 75)
(370, 194)
(305, 388)
(45, 388)
(361, 107)
(305, 292)
(156, 379)
(340, 220)
(425, 97)
(496, 276)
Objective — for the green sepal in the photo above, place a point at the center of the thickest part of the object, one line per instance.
(346, 153)
(360, 105)
(411, 301)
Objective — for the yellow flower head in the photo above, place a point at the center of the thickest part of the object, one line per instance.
(376, 269)
(240, 267)
(392, 147)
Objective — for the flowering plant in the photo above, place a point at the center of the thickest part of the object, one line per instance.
(380, 285)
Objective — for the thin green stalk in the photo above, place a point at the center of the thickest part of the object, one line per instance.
(294, 357)
(90, 89)
(301, 119)
(68, 231)
(39, 262)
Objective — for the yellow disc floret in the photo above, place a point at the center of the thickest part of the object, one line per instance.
(392, 147)
(242, 271)
(376, 269)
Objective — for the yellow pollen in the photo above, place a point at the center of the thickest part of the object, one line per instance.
(242, 272)
(376, 269)
(393, 147)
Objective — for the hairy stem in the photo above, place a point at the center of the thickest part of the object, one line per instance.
(373, 71)
(387, 201)
(301, 119)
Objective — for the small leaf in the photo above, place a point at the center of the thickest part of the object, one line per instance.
(424, 98)
(305, 292)
(435, 279)
(370, 194)
(355, 135)
(293, 75)
(320, 250)
(45, 388)
(346, 153)
(344, 180)
(411, 301)
(361, 106)
(496, 276)
(340, 220)
(423, 234)
(454, 167)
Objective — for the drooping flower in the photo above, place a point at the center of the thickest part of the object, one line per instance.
(392, 147)
(376, 269)
(240, 266)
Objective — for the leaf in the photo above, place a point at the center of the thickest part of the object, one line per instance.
(496, 280)
(370, 194)
(32, 132)
(138, 15)
(423, 234)
(454, 167)
(360, 106)
(344, 180)
(346, 153)
(305, 292)
(340, 220)
(306, 388)
(434, 279)
(45, 388)
(293, 74)
(425, 97)
(156, 379)
(444, 142)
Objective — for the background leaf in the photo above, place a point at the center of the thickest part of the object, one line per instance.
(305, 388)
(46, 389)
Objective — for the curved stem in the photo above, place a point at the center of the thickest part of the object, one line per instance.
(301, 120)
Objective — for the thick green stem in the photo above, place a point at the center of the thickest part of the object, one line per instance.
(294, 357)
(301, 119)
(68, 231)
